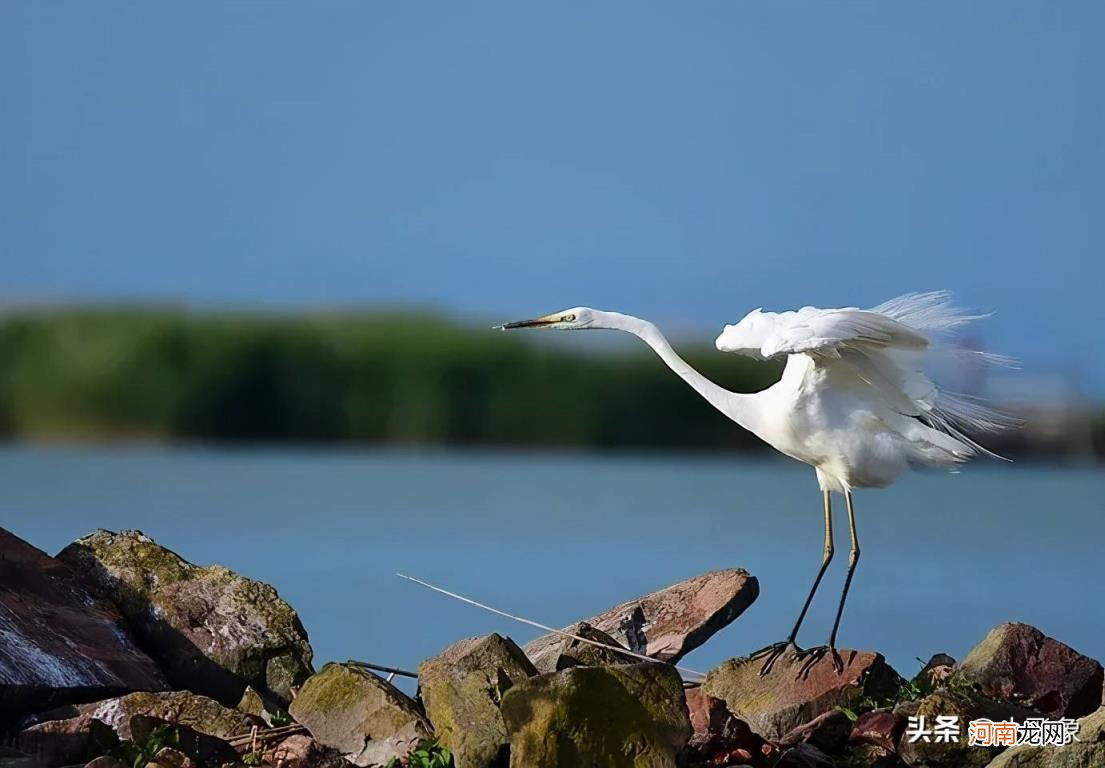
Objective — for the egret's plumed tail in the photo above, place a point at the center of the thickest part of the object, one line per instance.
(959, 415)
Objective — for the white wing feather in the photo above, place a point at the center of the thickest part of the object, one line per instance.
(888, 347)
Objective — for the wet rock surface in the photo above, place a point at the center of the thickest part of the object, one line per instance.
(784, 699)
(602, 717)
(462, 689)
(366, 719)
(211, 630)
(672, 622)
(1021, 663)
(59, 644)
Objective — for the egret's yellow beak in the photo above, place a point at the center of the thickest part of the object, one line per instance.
(537, 322)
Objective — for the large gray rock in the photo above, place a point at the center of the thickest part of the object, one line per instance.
(1087, 752)
(462, 688)
(601, 717)
(672, 622)
(365, 718)
(211, 630)
(1020, 663)
(57, 643)
(784, 699)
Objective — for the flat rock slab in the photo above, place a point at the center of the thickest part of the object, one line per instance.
(364, 717)
(1020, 663)
(671, 622)
(782, 700)
(599, 717)
(58, 644)
(211, 630)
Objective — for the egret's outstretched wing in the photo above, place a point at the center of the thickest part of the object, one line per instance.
(888, 347)
(820, 331)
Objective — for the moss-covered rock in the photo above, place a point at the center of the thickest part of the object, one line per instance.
(785, 698)
(964, 706)
(462, 689)
(181, 707)
(601, 717)
(368, 720)
(211, 630)
(1087, 752)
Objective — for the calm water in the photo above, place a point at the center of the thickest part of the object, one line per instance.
(559, 537)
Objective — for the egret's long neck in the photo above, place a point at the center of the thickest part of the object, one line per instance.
(738, 407)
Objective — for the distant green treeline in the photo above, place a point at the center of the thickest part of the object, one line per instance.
(355, 377)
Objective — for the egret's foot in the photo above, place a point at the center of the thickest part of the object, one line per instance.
(773, 653)
(811, 657)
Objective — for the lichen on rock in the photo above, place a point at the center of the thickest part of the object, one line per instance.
(211, 630)
(602, 717)
(368, 720)
(462, 688)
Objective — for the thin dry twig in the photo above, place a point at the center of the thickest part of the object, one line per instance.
(623, 651)
(258, 735)
(381, 668)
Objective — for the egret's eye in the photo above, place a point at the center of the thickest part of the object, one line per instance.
(568, 319)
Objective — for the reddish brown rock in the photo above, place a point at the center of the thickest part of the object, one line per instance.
(672, 622)
(59, 644)
(783, 699)
(880, 728)
(1020, 663)
(717, 736)
(828, 732)
(302, 751)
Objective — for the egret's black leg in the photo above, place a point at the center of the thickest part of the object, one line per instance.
(814, 655)
(775, 650)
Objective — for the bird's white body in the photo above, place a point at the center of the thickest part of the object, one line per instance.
(854, 401)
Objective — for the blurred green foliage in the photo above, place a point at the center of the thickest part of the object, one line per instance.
(357, 376)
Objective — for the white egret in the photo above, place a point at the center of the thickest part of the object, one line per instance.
(854, 402)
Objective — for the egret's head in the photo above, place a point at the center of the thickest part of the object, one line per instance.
(574, 319)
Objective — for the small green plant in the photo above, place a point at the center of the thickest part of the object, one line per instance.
(279, 718)
(426, 754)
(138, 754)
(253, 758)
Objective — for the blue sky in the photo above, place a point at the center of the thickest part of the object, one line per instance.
(684, 162)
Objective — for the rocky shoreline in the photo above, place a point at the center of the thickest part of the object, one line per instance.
(119, 653)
